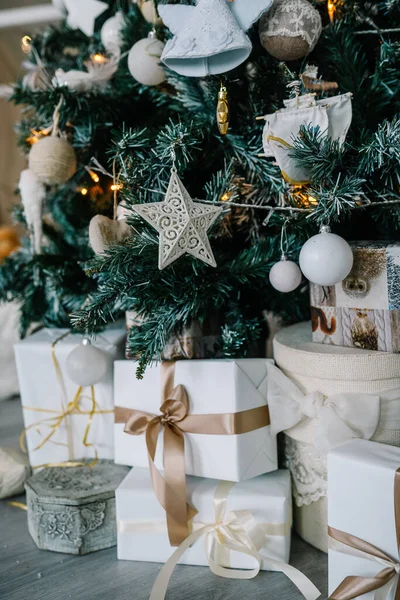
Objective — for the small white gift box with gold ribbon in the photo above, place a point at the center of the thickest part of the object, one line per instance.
(64, 422)
(239, 529)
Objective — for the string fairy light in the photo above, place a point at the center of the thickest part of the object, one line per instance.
(98, 58)
(26, 44)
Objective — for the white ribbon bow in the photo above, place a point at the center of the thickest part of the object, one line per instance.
(338, 418)
(238, 532)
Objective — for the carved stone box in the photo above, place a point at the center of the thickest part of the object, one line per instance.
(72, 509)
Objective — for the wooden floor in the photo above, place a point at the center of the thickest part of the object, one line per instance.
(27, 573)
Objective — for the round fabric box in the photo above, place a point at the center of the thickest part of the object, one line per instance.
(330, 370)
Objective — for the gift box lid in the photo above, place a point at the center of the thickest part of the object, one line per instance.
(72, 486)
(113, 335)
(295, 352)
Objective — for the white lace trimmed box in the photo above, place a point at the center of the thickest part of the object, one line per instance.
(213, 387)
(363, 311)
(141, 523)
(364, 491)
(330, 384)
(72, 509)
(46, 392)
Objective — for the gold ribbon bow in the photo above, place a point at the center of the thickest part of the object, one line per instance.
(355, 586)
(174, 418)
(239, 532)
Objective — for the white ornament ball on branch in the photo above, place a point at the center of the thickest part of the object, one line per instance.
(290, 30)
(53, 160)
(326, 258)
(86, 364)
(104, 232)
(285, 276)
(111, 33)
(144, 61)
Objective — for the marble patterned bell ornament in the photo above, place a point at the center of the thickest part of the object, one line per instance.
(209, 38)
(72, 509)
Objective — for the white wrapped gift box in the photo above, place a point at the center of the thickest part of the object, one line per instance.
(361, 502)
(141, 523)
(213, 387)
(45, 396)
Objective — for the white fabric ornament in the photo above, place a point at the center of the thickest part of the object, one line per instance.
(335, 419)
(86, 364)
(33, 194)
(182, 224)
(104, 232)
(291, 29)
(144, 61)
(83, 14)
(209, 38)
(97, 76)
(14, 471)
(332, 115)
(326, 258)
(111, 33)
(285, 276)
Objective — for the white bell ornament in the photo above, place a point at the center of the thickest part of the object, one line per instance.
(86, 364)
(326, 258)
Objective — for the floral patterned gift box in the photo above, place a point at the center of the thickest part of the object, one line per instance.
(362, 311)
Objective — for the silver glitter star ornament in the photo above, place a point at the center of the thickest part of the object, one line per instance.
(181, 223)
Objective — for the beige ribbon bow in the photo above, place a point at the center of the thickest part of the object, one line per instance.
(175, 420)
(239, 532)
(384, 582)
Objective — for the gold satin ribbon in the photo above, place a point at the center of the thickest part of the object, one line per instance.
(174, 418)
(238, 532)
(59, 418)
(355, 586)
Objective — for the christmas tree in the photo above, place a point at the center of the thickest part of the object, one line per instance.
(339, 167)
(75, 80)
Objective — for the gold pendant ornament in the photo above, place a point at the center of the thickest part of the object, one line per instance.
(223, 110)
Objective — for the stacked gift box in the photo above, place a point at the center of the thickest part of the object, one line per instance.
(201, 436)
(205, 487)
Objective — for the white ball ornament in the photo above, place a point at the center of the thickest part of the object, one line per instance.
(144, 61)
(285, 276)
(86, 364)
(326, 258)
(111, 32)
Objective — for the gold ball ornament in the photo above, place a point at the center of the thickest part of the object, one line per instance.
(144, 61)
(290, 29)
(53, 160)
